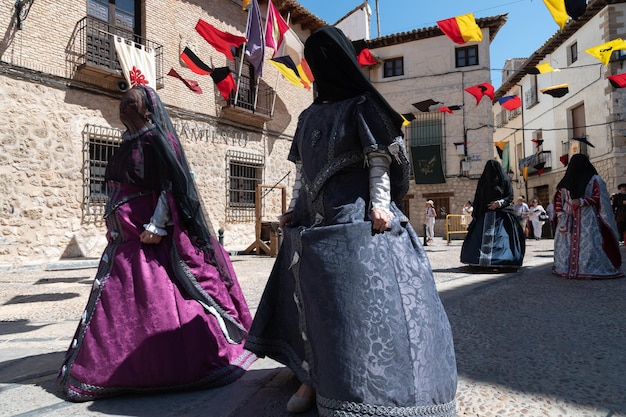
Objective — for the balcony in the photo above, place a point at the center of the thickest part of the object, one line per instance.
(505, 116)
(531, 98)
(544, 157)
(92, 53)
(252, 105)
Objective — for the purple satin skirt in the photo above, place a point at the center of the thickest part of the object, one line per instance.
(159, 317)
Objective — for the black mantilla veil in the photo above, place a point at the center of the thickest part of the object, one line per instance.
(494, 184)
(184, 189)
(338, 75)
(578, 174)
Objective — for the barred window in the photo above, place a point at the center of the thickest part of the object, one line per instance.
(99, 145)
(426, 129)
(244, 173)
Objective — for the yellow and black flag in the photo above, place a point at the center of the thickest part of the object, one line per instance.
(542, 69)
(604, 51)
(556, 90)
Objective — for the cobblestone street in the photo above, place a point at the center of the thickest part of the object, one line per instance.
(527, 344)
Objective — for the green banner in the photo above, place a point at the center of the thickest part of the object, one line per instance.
(505, 158)
(427, 165)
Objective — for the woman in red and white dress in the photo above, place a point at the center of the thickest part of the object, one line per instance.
(585, 243)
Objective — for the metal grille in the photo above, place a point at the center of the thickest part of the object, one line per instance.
(99, 145)
(94, 46)
(251, 95)
(426, 129)
(244, 172)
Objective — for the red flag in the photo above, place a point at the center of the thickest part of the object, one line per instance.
(366, 58)
(221, 41)
(564, 159)
(191, 84)
(510, 102)
(446, 110)
(618, 80)
(537, 142)
(481, 90)
(540, 168)
(224, 81)
(194, 63)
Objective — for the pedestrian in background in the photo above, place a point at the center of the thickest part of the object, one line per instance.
(466, 213)
(431, 215)
(586, 242)
(535, 214)
(522, 211)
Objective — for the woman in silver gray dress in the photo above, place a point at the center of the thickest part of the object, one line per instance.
(351, 304)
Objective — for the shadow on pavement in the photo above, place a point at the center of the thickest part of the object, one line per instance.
(17, 326)
(29, 369)
(65, 280)
(537, 333)
(37, 298)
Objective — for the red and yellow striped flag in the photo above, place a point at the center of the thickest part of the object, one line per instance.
(461, 29)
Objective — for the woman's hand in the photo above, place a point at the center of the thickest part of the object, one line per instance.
(381, 219)
(149, 238)
(285, 219)
(493, 205)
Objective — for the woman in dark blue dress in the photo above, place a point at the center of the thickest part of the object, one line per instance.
(494, 238)
(351, 304)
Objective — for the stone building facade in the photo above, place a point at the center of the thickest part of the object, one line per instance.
(59, 107)
(59, 97)
(543, 129)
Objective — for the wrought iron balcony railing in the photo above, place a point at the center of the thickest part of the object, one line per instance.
(256, 98)
(543, 157)
(94, 46)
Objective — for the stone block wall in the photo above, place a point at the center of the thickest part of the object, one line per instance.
(45, 110)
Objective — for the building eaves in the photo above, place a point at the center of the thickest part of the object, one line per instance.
(357, 8)
(298, 15)
(493, 23)
(593, 8)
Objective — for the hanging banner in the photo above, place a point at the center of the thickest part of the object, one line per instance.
(427, 165)
(137, 62)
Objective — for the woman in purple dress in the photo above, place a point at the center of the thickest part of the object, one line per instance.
(166, 311)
